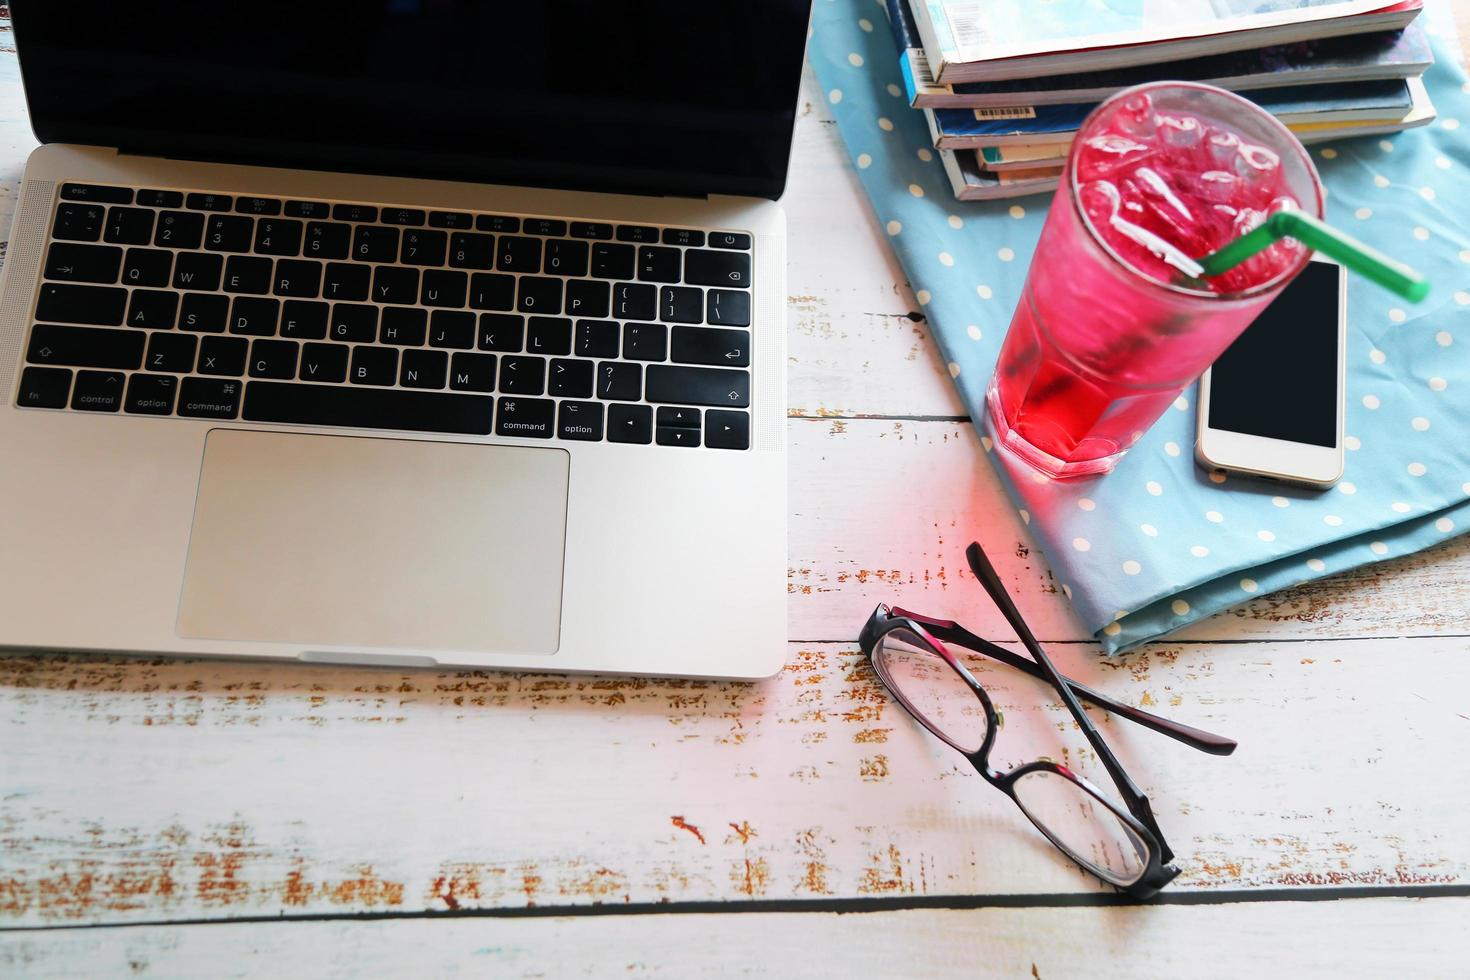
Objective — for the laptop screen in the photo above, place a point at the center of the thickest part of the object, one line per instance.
(684, 97)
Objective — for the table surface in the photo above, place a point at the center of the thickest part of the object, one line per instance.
(178, 818)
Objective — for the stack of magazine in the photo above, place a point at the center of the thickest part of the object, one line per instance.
(1005, 84)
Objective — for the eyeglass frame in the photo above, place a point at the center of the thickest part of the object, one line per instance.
(1138, 818)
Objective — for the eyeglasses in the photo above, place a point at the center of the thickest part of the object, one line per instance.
(1120, 843)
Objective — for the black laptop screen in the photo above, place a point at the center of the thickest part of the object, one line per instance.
(660, 96)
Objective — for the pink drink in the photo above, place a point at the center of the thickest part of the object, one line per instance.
(1114, 319)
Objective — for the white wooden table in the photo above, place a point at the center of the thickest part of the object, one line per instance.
(167, 818)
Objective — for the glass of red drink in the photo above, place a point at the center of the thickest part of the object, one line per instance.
(1115, 317)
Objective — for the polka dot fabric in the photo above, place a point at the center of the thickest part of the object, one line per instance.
(1158, 544)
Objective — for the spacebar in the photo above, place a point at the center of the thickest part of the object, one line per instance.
(368, 408)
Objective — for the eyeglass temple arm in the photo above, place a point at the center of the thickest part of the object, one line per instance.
(1137, 802)
(1195, 738)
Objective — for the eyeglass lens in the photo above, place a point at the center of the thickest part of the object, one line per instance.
(1081, 825)
(931, 689)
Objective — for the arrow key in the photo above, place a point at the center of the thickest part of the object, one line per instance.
(630, 423)
(98, 391)
(709, 345)
(677, 437)
(726, 430)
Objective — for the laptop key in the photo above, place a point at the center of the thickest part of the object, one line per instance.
(98, 391)
(374, 365)
(223, 355)
(151, 394)
(258, 205)
(588, 297)
(209, 398)
(635, 301)
(681, 304)
(671, 417)
(549, 335)
(308, 209)
(209, 202)
(728, 308)
(254, 316)
(85, 347)
(638, 234)
(729, 239)
(543, 226)
(645, 342)
(514, 254)
(197, 270)
(522, 375)
(323, 362)
(326, 241)
(301, 278)
(444, 288)
(619, 381)
(538, 295)
(146, 267)
(423, 369)
(525, 418)
(726, 429)
(501, 332)
(273, 359)
(395, 284)
(357, 213)
(472, 372)
(597, 338)
(153, 308)
(570, 378)
(565, 257)
(70, 262)
(492, 292)
(101, 305)
(698, 386)
(630, 423)
(278, 236)
(352, 323)
(128, 226)
(179, 229)
(703, 267)
(349, 282)
(596, 230)
(656, 263)
(451, 219)
(247, 274)
(161, 199)
(497, 222)
(581, 421)
(96, 193)
(471, 251)
(452, 328)
(228, 233)
(43, 387)
(610, 261)
(204, 313)
(375, 244)
(424, 247)
(78, 222)
(707, 345)
(402, 216)
(683, 236)
(170, 352)
(404, 326)
(303, 320)
(368, 408)
(668, 436)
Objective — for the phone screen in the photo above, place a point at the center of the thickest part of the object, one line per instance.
(1279, 378)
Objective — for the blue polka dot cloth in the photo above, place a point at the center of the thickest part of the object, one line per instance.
(1158, 543)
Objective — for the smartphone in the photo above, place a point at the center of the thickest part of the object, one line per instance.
(1271, 406)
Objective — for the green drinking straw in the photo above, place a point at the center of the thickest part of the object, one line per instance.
(1367, 262)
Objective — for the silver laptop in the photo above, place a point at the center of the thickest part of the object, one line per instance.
(413, 333)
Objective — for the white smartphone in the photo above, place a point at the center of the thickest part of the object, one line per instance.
(1271, 406)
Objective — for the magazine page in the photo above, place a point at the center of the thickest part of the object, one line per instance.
(981, 30)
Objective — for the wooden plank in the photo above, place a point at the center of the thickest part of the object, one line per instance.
(1375, 937)
(163, 789)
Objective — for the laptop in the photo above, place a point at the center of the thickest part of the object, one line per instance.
(410, 333)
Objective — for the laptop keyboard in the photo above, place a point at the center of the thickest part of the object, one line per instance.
(210, 306)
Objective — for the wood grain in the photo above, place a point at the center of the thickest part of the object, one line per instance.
(1330, 940)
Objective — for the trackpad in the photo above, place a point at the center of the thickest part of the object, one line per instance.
(364, 542)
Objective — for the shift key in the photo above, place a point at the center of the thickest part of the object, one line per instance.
(85, 347)
(697, 386)
(101, 305)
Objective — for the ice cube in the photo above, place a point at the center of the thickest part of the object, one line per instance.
(1154, 182)
(1217, 187)
(1255, 162)
(1107, 154)
(1181, 131)
(1223, 145)
(1135, 116)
